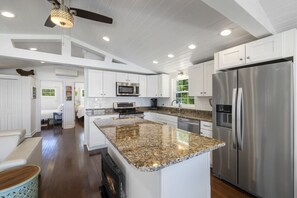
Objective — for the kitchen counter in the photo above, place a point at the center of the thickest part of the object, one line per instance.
(184, 113)
(150, 146)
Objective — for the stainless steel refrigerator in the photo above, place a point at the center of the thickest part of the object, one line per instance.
(253, 114)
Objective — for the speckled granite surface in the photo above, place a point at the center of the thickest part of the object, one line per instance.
(184, 113)
(149, 146)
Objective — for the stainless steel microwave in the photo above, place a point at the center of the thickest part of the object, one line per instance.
(127, 89)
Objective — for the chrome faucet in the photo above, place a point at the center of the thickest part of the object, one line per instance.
(179, 104)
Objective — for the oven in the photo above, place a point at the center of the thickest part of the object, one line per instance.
(127, 89)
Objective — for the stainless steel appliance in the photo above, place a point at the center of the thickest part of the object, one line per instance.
(127, 89)
(188, 125)
(253, 114)
(127, 109)
(154, 103)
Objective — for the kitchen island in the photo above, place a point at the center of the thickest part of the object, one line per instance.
(159, 161)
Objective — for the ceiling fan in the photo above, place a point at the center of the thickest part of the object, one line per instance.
(62, 15)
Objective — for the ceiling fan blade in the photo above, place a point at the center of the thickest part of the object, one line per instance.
(49, 22)
(55, 2)
(91, 15)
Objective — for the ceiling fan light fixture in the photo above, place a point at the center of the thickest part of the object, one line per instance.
(62, 17)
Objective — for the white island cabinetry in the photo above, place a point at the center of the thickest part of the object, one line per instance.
(95, 138)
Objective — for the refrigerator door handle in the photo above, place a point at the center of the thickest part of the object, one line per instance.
(234, 118)
(240, 118)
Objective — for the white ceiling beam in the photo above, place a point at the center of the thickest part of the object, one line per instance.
(249, 14)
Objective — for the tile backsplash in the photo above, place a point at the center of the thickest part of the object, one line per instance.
(108, 102)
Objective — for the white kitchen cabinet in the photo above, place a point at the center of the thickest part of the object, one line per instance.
(96, 139)
(158, 86)
(109, 87)
(133, 78)
(200, 79)
(142, 86)
(95, 83)
(196, 80)
(264, 49)
(208, 70)
(206, 130)
(101, 83)
(231, 57)
(164, 87)
(152, 86)
(125, 77)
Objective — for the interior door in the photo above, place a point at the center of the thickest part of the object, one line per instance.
(265, 130)
(224, 95)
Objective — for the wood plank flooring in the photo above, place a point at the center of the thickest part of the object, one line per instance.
(70, 171)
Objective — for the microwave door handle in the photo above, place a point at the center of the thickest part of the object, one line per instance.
(240, 119)
(234, 118)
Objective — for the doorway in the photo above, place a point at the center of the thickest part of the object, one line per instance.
(79, 106)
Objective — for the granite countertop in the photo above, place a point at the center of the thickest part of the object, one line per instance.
(184, 113)
(150, 146)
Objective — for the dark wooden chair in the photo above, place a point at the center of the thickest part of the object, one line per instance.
(57, 120)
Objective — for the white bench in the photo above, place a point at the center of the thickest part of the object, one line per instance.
(24, 152)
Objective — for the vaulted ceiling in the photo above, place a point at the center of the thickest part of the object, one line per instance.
(147, 30)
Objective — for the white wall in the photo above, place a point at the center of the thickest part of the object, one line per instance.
(201, 103)
(47, 73)
(51, 102)
(79, 99)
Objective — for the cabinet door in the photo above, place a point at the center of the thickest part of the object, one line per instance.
(208, 71)
(109, 84)
(232, 57)
(164, 87)
(142, 85)
(133, 78)
(96, 137)
(122, 77)
(95, 86)
(152, 86)
(196, 80)
(264, 49)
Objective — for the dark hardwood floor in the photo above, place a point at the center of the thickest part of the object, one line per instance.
(70, 171)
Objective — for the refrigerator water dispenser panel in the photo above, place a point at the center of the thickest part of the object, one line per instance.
(224, 116)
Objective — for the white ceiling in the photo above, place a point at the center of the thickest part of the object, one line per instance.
(282, 13)
(144, 30)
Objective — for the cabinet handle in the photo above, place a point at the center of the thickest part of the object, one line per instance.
(240, 59)
(204, 92)
(248, 57)
(201, 92)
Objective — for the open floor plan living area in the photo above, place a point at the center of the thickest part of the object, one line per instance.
(148, 99)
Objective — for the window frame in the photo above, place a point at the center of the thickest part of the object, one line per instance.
(49, 92)
(190, 106)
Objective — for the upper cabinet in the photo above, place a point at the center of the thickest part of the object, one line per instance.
(158, 86)
(142, 86)
(232, 56)
(200, 79)
(270, 48)
(264, 49)
(101, 83)
(163, 91)
(152, 86)
(125, 77)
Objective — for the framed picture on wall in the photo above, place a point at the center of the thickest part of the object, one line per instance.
(68, 93)
(34, 92)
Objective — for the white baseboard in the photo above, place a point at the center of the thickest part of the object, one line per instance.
(96, 147)
(68, 126)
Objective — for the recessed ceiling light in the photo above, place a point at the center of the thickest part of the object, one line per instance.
(7, 14)
(170, 55)
(33, 48)
(42, 62)
(226, 32)
(106, 38)
(192, 46)
(155, 62)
